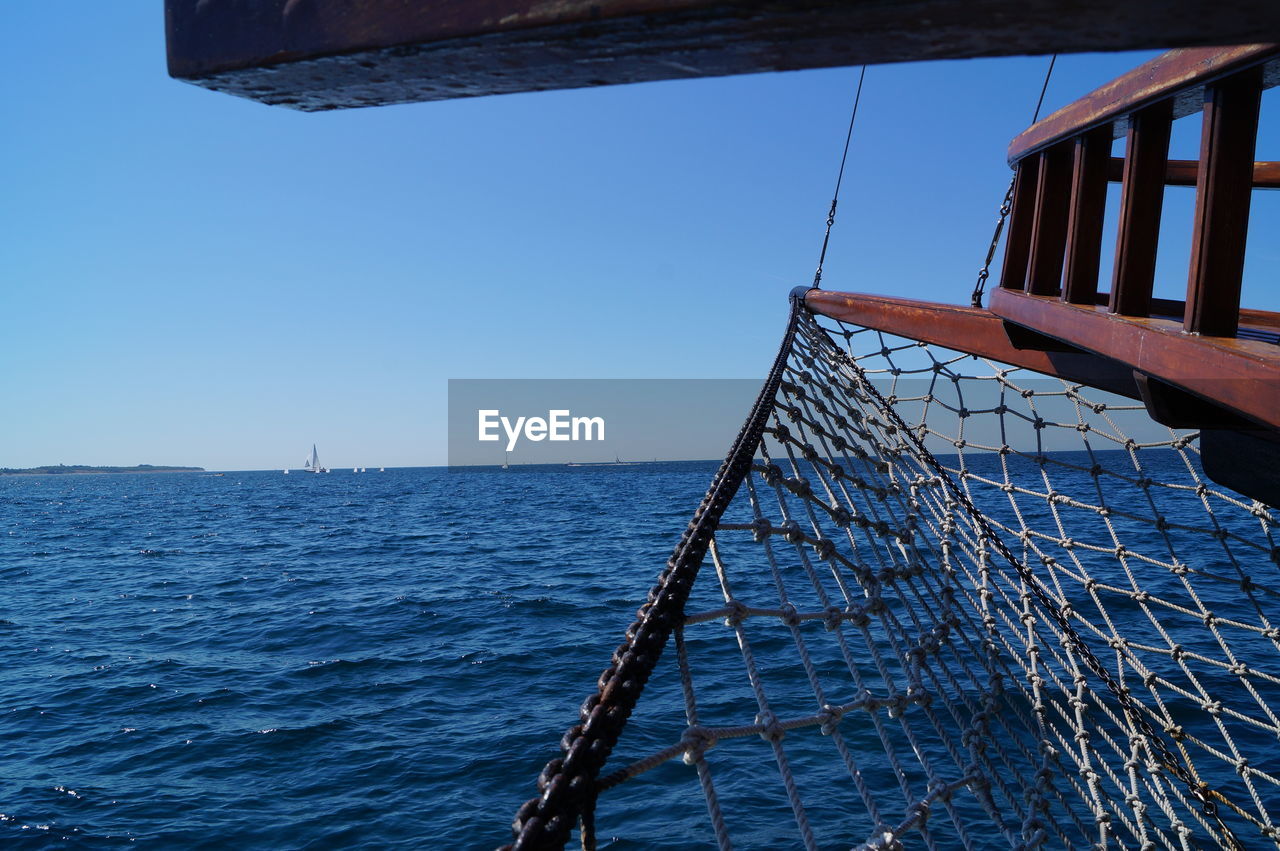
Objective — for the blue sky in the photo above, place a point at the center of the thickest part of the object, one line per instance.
(192, 278)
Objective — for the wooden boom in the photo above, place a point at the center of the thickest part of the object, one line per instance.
(331, 54)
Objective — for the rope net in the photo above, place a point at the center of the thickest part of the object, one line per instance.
(953, 604)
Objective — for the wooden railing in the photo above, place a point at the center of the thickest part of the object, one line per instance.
(1203, 363)
(1063, 165)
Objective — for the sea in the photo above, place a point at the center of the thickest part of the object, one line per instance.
(376, 660)
(259, 660)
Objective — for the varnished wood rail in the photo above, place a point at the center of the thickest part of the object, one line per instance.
(1063, 165)
(1266, 175)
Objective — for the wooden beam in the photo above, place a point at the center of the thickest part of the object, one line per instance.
(1245, 461)
(1141, 200)
(328, 54)
(1266, 175)
(1049, 227)
(1017, 241)
(1084, 224)
(1178, 75)
(1223, 193)
(968, 329)
(1240, 375)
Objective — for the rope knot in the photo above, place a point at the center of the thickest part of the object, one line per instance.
(697, 740)
(940, 790)
(771, 729)
(737, 613)
(829, 718)
(918, 695)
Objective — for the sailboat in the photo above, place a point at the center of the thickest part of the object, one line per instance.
(312, 462)
(506, 461)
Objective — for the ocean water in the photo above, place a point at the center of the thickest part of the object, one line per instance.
(255, 660)
(377, 660)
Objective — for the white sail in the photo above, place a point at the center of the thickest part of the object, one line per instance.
(313, 461)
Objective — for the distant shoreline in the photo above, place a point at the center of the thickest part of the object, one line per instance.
(86, 470)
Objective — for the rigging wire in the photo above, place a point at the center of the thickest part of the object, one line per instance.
(1007, 205)
(835, 196)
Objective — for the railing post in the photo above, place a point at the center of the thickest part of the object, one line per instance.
(1223, 189)
(1049, 224)
(1141, 200)
(1089, 175)
(1017, 247)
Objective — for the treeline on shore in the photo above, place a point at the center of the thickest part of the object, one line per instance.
(85, 468)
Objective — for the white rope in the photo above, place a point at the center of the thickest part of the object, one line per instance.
(957, 712)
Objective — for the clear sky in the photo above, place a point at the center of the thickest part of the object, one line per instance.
(191, 278)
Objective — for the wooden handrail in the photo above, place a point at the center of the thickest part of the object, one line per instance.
(1237, 375)
(968, 329)
(1266, 175)
(1177, 74)
(1062, 166)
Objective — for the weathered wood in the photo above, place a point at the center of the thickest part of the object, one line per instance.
(1245, 461)
(327, 54)
(1049, 225)
(968, 329)
(1141, 200)
(1223, 193)
(1178, 75)
(1242, 376)
(1259, 318)
(1091, 155)
(1017, 240)
(1266, 175)
(1176, 408)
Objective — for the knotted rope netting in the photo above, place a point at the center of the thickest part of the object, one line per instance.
(967, 606)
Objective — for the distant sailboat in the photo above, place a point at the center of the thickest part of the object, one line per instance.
(286, 471)
(506, 461)
(382, 469)
(312, 463)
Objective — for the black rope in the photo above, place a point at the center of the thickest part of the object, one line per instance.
(835, 196)
(1007, 205)
(568, 785)
(1035, 116)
